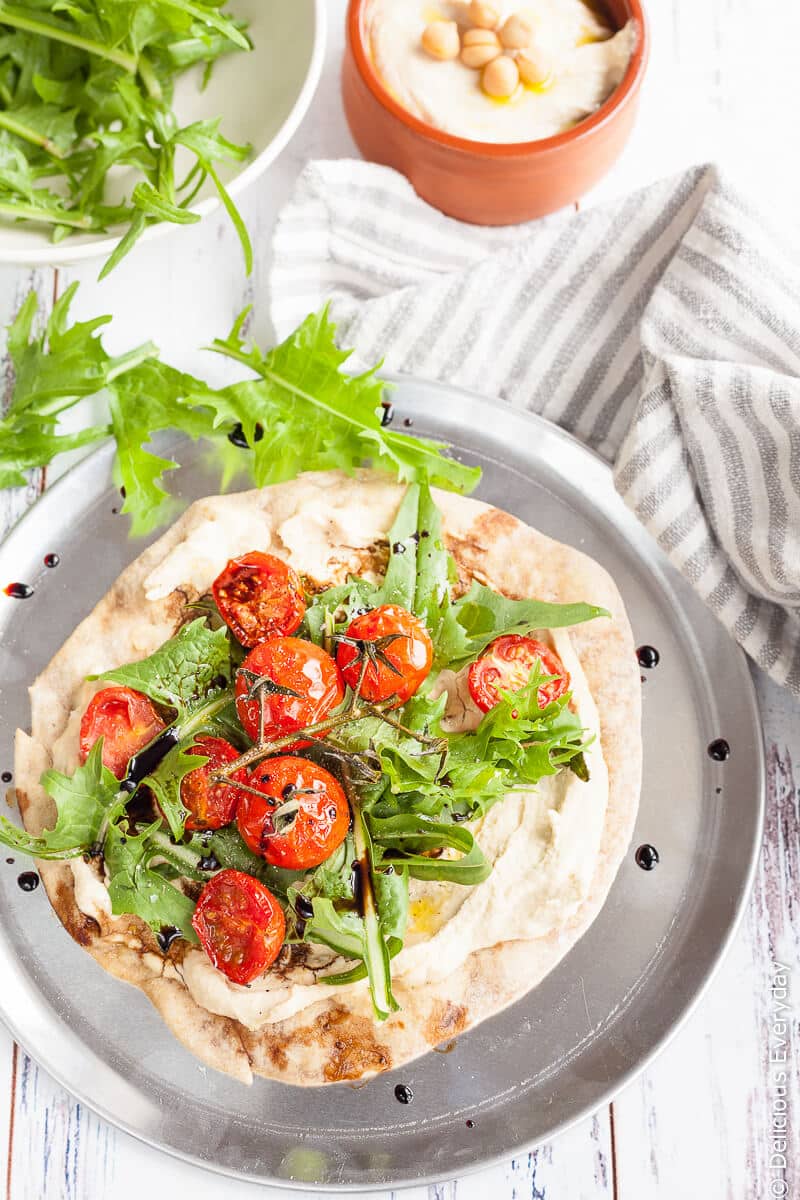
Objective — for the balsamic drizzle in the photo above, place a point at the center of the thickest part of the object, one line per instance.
(387, 416)
(403, 1093)
(6, 777)
(236, 436)
(719, 750)
(146, 761)
(647, 857)
(28, 881)
(51, 560)
(166, 935)
(648, 657)
(19, 591)
(358, 870)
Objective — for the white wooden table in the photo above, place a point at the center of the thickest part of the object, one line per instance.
(722, 85)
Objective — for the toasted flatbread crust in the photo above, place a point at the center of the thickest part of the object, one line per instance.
(337, 1039)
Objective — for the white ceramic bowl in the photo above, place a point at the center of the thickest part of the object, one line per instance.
(261, 96)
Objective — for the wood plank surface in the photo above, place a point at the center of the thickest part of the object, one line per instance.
(699, 1121)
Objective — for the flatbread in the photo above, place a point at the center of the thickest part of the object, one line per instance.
(337, 526)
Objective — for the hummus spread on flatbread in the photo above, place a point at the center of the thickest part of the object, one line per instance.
(553, 849)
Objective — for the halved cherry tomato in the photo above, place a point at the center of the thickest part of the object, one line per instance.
(210, 805)
(259, 596)
(507, 664)
(397, 649)
(125, 720)
(301, 816)
(301, 685)
(240, 925)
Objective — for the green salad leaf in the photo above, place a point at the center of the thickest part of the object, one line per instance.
(302, 412)
(86, 801)
(307, 408)
(181, 672)
(484, 615)
(86, 92)
(134, 887)
(165, 784)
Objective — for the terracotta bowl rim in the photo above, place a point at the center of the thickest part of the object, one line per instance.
(624, 93)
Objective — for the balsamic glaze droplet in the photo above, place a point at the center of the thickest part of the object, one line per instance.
(646, 857)
(28, 881)
(219, 681)
(209, 863)
(399, 548)
(10, 862)
(19, 591)
(387, 416)
(166, 935)
(403, 1093)
(51, 560)
(470, 1123)
(718, 791)
(648, 657)
(304, 908)
(408, 422)
(719, 750)
(6, 777)
(236, 436)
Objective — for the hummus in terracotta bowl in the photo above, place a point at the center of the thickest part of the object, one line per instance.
(573, 61)
(497, 111)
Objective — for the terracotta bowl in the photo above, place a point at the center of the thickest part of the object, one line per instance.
(489, 184)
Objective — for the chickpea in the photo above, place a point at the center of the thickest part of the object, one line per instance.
(479, 47)
(484, 16)
(516, 33)
(500, 77)
(535, 66)
(440, 39)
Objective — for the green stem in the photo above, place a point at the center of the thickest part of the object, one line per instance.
(133, 358)
(20, 20)
(149, 79)
(31, 212)
(8, 122)
(376, 957)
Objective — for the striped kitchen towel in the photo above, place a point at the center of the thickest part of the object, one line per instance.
(662, 329)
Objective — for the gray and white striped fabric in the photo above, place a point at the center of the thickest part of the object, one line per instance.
(662, 329)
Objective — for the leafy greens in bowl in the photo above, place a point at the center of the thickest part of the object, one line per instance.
(113, 123)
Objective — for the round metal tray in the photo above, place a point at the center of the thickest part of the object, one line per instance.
(547, 1060)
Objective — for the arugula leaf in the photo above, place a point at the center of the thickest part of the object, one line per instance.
(343, 930)
(86, 801)
(180, 672)
(402, 839)
(85, 89)
(314, 415)
(308, 409)
(484, 615)
(165, 784)
(134, 887)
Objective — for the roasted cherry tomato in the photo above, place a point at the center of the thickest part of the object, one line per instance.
(240, 925)
(125, 720)
(301, 685)
(300, 818)
(397, 649)
(210, 805)
(259, 596)
(507, 663)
